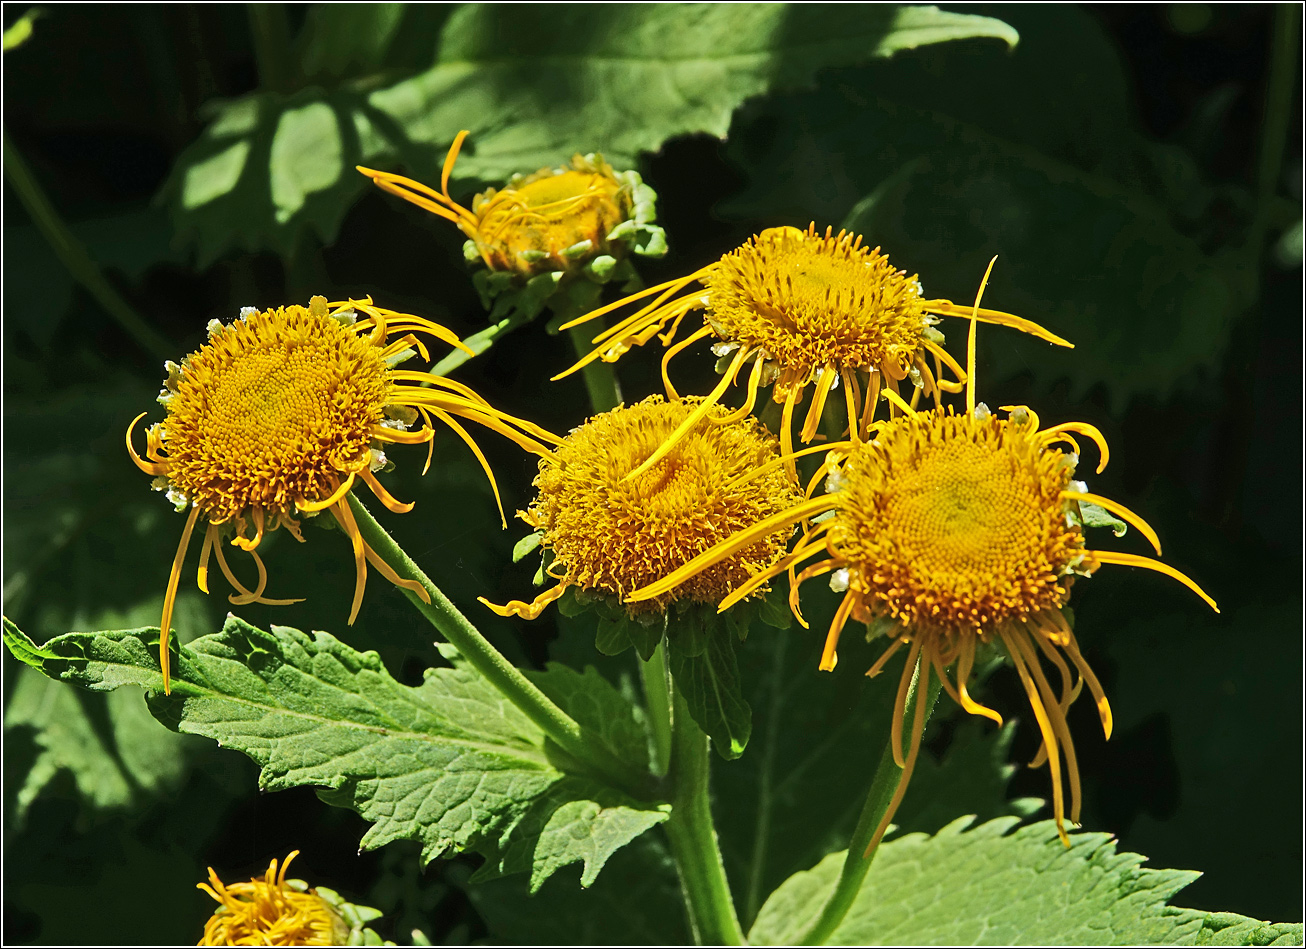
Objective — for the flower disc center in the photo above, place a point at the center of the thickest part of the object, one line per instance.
(272, 410)
(956, 523)
(813, 301)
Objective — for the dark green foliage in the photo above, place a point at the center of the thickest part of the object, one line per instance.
(1114, 159)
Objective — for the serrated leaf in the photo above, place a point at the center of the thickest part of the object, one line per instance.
(818, 736)
(636, 901)
(270, 168)
(1001, 888)
(450, 763)
(934, 157)
(708, 676)
(599, 708)
(1229, 768)
(114, 751)
(537, 83)
(533, 85)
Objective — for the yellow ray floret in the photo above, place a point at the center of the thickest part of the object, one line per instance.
(608, 534)
(958, 530)
(270, 911)
(801, 309)
(528, 226)
(281, 413)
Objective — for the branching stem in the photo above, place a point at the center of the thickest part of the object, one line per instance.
(489, 662)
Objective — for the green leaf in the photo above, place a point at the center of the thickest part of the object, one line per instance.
(114, 751)
(270, 168)
(817, 737)
(526, 545)
(599, 708)
(449, 763)
(933, 157)
(971, 777)
(21, 30)
(1002, 888)
(537, 83)
(701, 657)
(637, 901)
(1183, 694)
(340, 39)
(534, 85)
(1091, 515)
(1096, 264)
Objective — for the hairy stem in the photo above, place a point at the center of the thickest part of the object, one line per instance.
(73, 255)
(693, 835)
(657, 696)
(489, 662)
(883, 787)
(600, 377)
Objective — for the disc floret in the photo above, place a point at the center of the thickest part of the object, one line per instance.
(946, 531)
(278, 416)
(272, 911)
(607, 534)
(795, 309)
(540, 231)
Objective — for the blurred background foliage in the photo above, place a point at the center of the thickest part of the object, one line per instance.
(1137, 168)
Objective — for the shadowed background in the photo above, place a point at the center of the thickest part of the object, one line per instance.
(1122, 162)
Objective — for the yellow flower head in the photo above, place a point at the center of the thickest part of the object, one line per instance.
(797, 309)
(271, 911)
(551, 220)
(610, 534)
(954, 530)
(281, 413)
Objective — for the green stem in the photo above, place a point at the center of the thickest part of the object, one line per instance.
(1283, 81)
(693, 836)
(489, 662)
(657, 695)
(74, 256)
(600, 378)
(271, 32)
(883, 787)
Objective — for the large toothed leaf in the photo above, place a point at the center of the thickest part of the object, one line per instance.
(623, 78)
(817, 738)
(77, 515)
(637, 901)
(986, 886)
(450, 763)
(533, 84)
(951, 155)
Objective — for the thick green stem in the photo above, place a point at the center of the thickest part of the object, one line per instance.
(489, 662)
(693, 835)
(657, 696)
(600, 378)
(74, 256)
(883, 787)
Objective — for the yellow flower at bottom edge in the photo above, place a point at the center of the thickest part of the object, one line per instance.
(609, 533)
(796, 309)
(955, 530)
(270, 911)
(281, 413)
